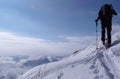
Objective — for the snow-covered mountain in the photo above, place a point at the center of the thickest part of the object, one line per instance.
(12, 67)
(32, 62)
(86, 64)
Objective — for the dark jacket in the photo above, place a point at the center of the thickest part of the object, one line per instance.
(106, 13)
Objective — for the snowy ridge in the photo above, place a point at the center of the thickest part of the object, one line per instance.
(101, 64)
(69, 61)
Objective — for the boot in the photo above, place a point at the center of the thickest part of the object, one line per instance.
(109, 45)
(104, 43)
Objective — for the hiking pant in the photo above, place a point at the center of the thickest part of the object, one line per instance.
(106, 26)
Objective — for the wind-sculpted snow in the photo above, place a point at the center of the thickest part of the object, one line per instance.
(85, 64)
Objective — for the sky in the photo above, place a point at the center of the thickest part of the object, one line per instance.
(50, 27)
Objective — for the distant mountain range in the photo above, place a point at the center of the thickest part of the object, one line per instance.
(14, 66)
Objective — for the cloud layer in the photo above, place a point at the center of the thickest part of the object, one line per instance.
(116, 27)
(11, 44)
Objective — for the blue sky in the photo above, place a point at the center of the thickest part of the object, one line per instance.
(57, 21)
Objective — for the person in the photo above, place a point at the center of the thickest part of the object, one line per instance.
(105, 16)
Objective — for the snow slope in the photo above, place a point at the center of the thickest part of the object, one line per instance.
(86, 64)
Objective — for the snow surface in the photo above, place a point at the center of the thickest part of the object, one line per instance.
(88, 63)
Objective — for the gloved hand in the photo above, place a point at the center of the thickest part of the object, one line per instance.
(96, 20)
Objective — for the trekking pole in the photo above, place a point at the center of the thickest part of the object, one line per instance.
(96, 36)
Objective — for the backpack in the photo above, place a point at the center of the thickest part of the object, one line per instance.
(105, 12)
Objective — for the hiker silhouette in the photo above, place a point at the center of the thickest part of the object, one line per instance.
(105, 16)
